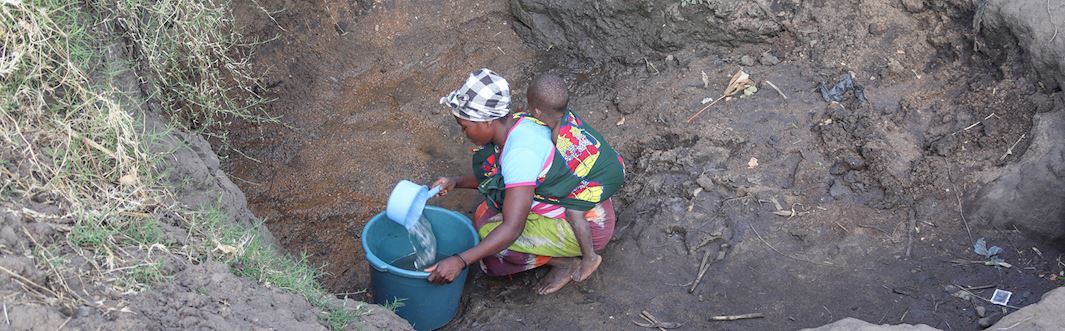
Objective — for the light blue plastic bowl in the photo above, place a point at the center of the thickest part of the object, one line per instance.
(407, 201)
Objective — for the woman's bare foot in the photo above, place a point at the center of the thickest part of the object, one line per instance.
(558, 277)
(587, 266)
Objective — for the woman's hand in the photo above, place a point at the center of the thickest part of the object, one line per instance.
(446, 184)
(445, 271)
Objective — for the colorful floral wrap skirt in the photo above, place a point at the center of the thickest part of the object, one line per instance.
(542, 238)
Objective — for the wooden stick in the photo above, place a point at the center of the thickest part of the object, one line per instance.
(27, 281)
(702, 270)
(736, 317)
(775, 88)
(704, 109)
(64, 323)
(973, 125)
(651, 318)
(1009, 151)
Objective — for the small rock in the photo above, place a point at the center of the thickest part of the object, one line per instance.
(981, 311)
(746, 61)
(84, 311)
(962, 295)
(984, 322)
(839, 189)
(877, 29)
(895, 67)
(913, 6)
(855, 162)
(768, 59)
(705, 182)
(669, 58)
(839, 168)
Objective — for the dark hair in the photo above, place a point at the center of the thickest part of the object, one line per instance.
(548, 92)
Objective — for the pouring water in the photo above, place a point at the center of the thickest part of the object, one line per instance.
(423, 242)
(405, 206)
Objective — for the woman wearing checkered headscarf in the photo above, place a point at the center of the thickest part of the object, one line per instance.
(485, 96)
(522, 224)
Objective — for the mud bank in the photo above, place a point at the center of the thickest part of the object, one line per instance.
(191, 291)
(875, 181)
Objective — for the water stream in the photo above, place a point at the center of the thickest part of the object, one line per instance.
(423, 242)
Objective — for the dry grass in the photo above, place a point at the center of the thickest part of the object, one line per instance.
(193, 60)
(68, 136)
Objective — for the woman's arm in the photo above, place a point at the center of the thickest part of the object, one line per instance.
(449, 183)
(516, 205)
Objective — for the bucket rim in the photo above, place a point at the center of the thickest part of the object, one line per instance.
(383, 266)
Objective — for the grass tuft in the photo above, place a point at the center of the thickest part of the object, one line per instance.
(249, 256)
(70, 133)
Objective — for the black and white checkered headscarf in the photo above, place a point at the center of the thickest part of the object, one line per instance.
(484, 97)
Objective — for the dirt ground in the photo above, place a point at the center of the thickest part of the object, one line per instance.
(875, 184)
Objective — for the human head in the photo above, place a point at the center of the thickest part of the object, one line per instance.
(481, 100)
(547, 93)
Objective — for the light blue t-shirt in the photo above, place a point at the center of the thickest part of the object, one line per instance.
(527, 153)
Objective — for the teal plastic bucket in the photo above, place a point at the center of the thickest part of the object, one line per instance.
(426, 306)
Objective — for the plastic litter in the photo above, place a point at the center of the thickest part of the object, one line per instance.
(838, 91)
(1001, 297)
(990, 253)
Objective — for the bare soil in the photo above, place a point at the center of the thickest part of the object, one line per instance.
(876, 184)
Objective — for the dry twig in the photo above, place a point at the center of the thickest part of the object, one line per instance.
(702, 270)
(26, 281)
(961, 211)
(736, 317)
(974, 124)
(775, 88)
(1009, 151)
(1052, 20)
(781, 253)
(982, 298)
(738, 82)
(653, 322)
